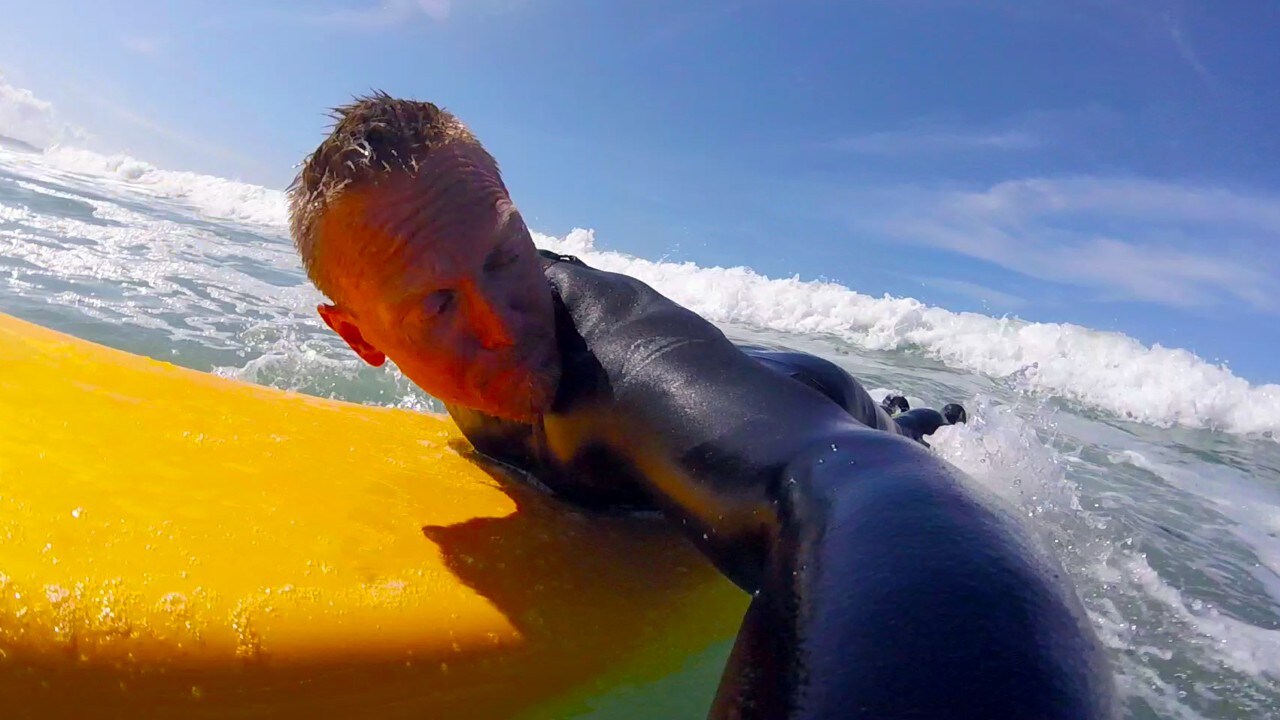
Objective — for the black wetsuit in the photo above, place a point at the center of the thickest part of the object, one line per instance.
(886, 583)
(833, 381)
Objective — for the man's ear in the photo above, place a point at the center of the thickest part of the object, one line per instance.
(341, 322)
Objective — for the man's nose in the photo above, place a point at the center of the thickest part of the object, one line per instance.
(485, 322)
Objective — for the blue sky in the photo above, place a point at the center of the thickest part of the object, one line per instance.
(1114, 164)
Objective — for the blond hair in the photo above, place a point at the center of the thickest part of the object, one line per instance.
(372, 138)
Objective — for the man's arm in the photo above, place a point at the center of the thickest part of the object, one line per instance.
(827, 378)
(837, 384)
(880, 574)
(895, 590)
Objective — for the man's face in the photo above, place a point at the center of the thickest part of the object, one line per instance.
(443, 278)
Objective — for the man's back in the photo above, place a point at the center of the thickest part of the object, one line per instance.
(651, 393)
(842, 532)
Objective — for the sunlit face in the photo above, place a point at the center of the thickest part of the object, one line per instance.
(444, 279)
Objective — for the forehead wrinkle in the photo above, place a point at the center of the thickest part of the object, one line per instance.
(357, 248)
(413, 223)
(447, 200)
(455, 197)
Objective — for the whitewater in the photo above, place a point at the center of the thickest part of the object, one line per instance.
(1155, 474)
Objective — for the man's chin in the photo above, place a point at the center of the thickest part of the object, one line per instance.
(518, 412)
(523, 404)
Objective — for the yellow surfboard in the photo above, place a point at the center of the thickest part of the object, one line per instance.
(179, 545)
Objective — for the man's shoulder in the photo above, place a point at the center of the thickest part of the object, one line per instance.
(570, 276)
(555, 257)
(590, 290)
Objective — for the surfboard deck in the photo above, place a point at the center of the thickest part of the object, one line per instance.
(176, 544)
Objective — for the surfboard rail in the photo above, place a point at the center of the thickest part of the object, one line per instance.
(177, 544)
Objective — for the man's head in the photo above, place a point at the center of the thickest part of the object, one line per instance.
(403, 221)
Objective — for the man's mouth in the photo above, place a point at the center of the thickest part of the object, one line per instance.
(525, 390)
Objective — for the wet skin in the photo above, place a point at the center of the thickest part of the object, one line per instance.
(886, 583)
(455, 297)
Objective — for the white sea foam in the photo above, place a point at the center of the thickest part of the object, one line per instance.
(1249, 649)
(1016, 452)
(1103, 370)
(214, 198)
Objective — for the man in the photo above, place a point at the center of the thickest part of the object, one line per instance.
(885, 583)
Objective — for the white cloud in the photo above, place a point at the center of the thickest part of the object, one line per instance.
(1021, 132)
(145, 46)
(36, 122)
(435, 9)
(28, 119)
(383, 14)
(1177, 245)
(1186, 51)
(173, 136)
(919, 140)
(386, 13)
(992, 298)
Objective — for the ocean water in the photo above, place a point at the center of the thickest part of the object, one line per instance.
(1155, 474)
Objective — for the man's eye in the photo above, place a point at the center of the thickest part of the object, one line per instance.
(439, 302)
(500, 261)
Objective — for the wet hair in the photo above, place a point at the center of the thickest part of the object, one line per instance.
(373, 137)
